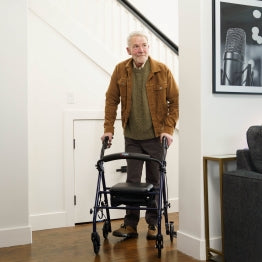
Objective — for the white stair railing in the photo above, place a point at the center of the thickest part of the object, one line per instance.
(99, 29)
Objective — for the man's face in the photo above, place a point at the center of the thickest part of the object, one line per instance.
(138, 49)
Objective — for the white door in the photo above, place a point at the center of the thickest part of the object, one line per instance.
(88, 145)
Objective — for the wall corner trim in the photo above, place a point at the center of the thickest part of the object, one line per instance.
(191, 245)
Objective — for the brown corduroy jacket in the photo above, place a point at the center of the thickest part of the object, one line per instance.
(162, 95)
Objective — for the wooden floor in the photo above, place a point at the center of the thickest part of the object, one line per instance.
(73, 244)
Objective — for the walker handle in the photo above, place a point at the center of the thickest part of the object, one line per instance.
(105, 142)
(125, 155)
(104, 146)
(164, 142)
(164, 147)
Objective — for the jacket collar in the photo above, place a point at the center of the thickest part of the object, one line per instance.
(153, 63)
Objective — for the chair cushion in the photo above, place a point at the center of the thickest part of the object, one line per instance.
(254, 140)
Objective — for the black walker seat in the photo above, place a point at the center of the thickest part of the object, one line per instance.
(140, 196)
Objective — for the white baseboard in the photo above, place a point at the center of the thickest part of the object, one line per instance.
(216, 243)
(48, 220)
(15, 236)
(59, 219)
(191, 245)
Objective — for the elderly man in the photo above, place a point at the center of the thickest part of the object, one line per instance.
(149, 109)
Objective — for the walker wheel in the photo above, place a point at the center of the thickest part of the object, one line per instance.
(96, 241)
(172, 232)
(106, 229)
(159, 245)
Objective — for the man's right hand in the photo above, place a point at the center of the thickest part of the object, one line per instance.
(110, 137)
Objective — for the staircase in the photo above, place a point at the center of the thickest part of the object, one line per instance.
(99, 29)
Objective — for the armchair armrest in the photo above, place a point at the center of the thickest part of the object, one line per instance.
(244, 160)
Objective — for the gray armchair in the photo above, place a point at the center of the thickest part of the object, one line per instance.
(242, 203)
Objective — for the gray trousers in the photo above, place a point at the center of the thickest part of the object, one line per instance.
(153, 148)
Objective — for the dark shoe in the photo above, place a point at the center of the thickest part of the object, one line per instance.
(125, 231)
(152, 232)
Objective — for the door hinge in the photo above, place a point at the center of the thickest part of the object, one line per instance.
(74, 143)
(75, 200)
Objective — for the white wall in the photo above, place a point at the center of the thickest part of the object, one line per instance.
(14, 214)
(209, 123)
(163, 15)
(190, 235)
(61, 78)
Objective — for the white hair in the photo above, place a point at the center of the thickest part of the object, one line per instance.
(135, 33)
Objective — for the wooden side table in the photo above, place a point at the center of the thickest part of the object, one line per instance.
(221, 159)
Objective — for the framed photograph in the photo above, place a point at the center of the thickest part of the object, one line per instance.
(237, 46)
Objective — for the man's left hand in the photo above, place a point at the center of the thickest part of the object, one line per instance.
(168, 136)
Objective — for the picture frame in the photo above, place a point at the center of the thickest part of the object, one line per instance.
(237, 46)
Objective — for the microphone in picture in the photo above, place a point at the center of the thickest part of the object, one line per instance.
(234, 57)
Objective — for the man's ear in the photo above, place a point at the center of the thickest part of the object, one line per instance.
(128, 50)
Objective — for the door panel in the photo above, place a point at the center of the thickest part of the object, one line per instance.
(88, 145)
